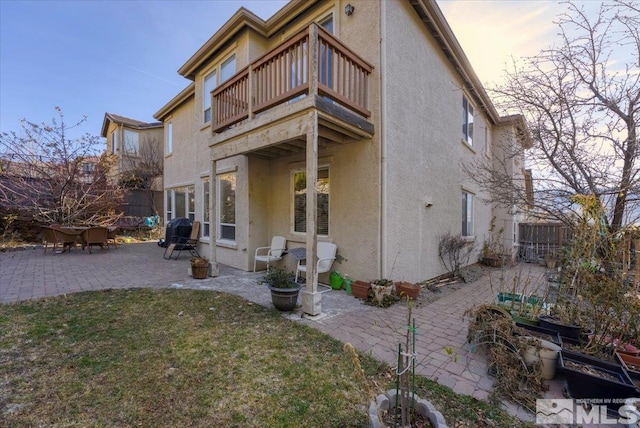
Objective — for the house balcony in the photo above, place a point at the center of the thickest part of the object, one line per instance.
(268, 107)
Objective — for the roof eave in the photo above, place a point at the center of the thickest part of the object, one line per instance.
(176, 101)
(239, 20)
(437, 25)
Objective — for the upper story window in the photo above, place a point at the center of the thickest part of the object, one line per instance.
(326, 56)
(467, 121)
(228, 69)
(211, 81)
(88, 168)
(131, 142)
(114, 141)
(169, 138)
(208, 85)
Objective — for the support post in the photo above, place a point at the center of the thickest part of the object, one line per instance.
(311, 299)
(213, 264)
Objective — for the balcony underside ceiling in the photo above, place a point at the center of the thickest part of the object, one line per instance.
(282, 131)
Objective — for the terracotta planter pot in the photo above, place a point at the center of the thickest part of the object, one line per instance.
(360, 289)
(407, 289)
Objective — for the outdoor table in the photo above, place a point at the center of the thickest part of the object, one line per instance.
(299, 253)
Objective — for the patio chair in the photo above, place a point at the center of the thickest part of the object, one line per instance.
(326, 253)
(94, 236)
(272, 253)
(68, 238)
(49, 237)
(179, 243)
(112, 233)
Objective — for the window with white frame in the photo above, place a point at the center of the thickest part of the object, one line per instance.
(227, 206)
(169, 138)
(169, 205)
(300, 201)
(206, 223)
(191, 203)
(180, 202)
(467, 121)
(467, 213)
(114, 141)
(228, 69)
(210, 82)
(131, 142)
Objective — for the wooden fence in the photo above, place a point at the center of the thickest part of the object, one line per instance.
(539, 239)
(536, 240)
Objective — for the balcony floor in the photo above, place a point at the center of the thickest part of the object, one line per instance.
(282, 130)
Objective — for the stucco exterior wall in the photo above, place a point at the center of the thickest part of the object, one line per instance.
(424, 149)
(379, 188)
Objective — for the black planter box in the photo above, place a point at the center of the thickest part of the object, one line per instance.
(565, 330)
(588, 386)
(542, 333)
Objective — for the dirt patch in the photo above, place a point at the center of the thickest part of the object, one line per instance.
(437, 288)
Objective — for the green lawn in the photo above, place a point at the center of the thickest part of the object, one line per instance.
(185, 358)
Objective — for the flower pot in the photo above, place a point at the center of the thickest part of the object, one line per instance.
(565, 330)
(407, 289)
(547, 355)
(285, 299)
(593, 378)
(630, 362)
(492, 261)
(379, 291)
(360, 289)
(199, 267)
(520, 319)
(541, 333)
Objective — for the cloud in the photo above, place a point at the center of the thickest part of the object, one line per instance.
(492, 32)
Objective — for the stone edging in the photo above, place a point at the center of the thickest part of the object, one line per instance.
(423, 407)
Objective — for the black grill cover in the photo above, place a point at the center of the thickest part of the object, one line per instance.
(180, 226)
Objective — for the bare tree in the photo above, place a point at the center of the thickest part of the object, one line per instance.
(55, 179)
(140, 172)
(581, 101)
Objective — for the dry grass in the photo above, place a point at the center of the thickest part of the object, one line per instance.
(181, 358)
(169, 358)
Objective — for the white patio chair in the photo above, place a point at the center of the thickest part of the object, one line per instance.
(326, 253)
(272, 253)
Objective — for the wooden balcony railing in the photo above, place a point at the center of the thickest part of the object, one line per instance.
(311, 62)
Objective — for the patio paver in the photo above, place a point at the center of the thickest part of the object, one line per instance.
(30, 274)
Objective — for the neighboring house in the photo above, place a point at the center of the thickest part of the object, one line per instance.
(373, 101)
(139, 148)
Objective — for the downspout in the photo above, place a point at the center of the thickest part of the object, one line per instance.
(383, 145)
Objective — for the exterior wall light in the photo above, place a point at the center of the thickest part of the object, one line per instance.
(348, 9)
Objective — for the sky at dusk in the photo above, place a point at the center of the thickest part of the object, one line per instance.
(92, 57)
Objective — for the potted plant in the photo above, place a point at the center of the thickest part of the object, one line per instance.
(284, 289)
(407, 289)
(593, 378)
(360, 289)
(199, 267)
(551, 259)
(381, 287)
(491, 254)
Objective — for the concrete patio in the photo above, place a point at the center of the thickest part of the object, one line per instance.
(30, 274)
